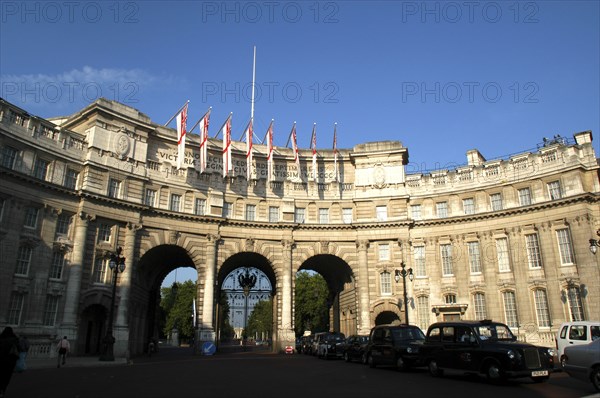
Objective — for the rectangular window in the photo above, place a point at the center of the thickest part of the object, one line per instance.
(114, 188)
(510, 309)
(480, 311)
(31, 217)
(40, 169)
(347, 215)
(175, 202)
(101, 269)
(150, 197)
(450, 299)
(63, 224)
(386, 283)
(525, 196)
(57, 265)
(446, 252)
(323, 216)
(423, 311)
(104, 232)
(554, 190)
(15, 308)
(199, 206)
(541, 308)
(227, 209)
(469, 206)
(442, 209)
(250, 212)
(419, 256)
(381, 213)
(299, 215)
(415, 212)
(384, 252)
(474, 257)
(23, 260)
(50, 310)
(9, 156)
(71, 177)
(496, 201)
(273, 214)
(502, 254)
(575, 305)
(534, 256)
(565, 247)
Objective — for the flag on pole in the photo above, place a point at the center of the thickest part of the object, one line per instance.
(313, 145)
(181, 125)
(204, 140)
(249, 150)
(295, 148)
(270, 152)
(227, 163)
(335, 153)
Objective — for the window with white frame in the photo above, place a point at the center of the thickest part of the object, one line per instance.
(323, 216)
(480, 310)
(442, 209)
(101, 270)
(71, 177)
(384, 252)
(510, 309)
(227, 209)
(524, 196)
(175, 202)
(381, 212)
(347, 215)
(50, 310)
(250, 212)
(57, 265)
(104, 233)
(31, 217)
(15, 308)
(575, 304)
(299, 215)
(199, 206)
(446, 253)
(40, 169)
(474, 257)
(386, 283)
(423, 312)
(9, 157)
(541, 308)
(502, 254)
(415, 212)
(534, 256)
(554, 190)
(63, 224)
(150, 197)
(419, 257)
(564, 246)
(450, 299)
(273, 214)
(114, 188)
(23, 260)
(469, 205)
(496, 201)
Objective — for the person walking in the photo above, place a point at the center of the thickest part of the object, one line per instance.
(63, 348)
(9, 353)
(23, 347)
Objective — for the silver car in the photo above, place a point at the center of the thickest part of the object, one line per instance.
(583, 362)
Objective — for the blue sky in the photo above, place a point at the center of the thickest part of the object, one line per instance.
(442, 77)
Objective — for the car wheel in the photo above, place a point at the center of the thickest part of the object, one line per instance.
(401, 364)
(540, 379)
(371, 361)
(346, 357)
(434, 370)
(494, 373)
(595, 378)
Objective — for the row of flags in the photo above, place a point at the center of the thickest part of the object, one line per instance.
(225, 130)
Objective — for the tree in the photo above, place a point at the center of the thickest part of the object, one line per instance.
(260, 321)
(311, 311)
(226, 331)
(176, 301)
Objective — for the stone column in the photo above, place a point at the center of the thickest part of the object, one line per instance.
(286, 334)
(364, 319)
(207, 332)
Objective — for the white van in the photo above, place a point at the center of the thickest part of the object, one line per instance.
(576, 333)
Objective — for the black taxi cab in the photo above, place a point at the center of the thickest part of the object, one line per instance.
(484, 347)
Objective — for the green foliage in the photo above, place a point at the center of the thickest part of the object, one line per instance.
(176, 302)
(226, 331)
(261, 319)
(311, 312)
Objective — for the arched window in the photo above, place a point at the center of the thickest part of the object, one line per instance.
(541, 308)
(575, 304)
(480, 310)
(510, 309)
(423, 312)
(386, 283)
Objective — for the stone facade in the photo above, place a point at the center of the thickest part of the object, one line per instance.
(505, 239)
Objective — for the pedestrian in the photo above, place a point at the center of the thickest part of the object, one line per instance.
(23, 347)
(63, 348)
(150, 347)
(9, 352)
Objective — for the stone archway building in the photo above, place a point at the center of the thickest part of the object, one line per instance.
(505, 239)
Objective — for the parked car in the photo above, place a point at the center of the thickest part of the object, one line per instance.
(307, 344)
(575, 333)
(394, 346)
(317, 338)
(583, 362)
(354, 348)
(484, 347)
(328, 345)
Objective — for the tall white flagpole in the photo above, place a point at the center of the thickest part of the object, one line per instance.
(253, 82)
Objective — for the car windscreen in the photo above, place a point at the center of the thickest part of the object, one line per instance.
(408, 334)
(334, 337)
(494, 332)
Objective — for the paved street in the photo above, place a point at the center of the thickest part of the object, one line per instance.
(174, 372)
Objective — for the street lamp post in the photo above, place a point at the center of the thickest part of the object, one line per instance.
(594, 244)
(116, 264)
(247, 282)
(403, 273)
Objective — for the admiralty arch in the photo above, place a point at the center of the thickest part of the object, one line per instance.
(504, 239)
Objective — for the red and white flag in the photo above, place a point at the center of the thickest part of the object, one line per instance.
(181, 133)
(270, 152)
(313, 145)
(335, 153)
(249, 133)
(227, 163)
(295, 147)
(204, 141)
